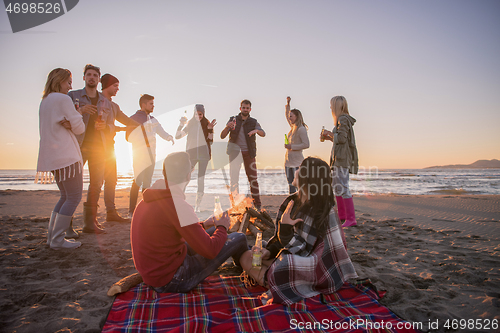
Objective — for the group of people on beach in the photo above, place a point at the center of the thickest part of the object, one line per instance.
(172, 250)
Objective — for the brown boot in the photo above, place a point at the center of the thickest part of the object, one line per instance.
(113, 216)
(91, 225)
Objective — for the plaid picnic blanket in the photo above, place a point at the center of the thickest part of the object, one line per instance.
(223, 304)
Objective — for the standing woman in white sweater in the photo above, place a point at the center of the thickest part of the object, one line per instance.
(59, 153)
(297, 141)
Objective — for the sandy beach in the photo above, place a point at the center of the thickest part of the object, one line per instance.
(438, 258)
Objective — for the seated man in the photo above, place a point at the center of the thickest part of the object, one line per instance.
(170, 247)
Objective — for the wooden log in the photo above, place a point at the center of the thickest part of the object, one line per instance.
(125, 284)
(253, 229)
(258, 215)
(260, 225)
(235, 227)
(245, 221)
(267, 216)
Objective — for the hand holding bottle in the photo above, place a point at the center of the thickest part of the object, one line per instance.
(257, 251)
(231, 124)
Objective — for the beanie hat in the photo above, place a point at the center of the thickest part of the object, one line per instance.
(199, 108)
(108, 80)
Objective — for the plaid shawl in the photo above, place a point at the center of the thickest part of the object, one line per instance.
(223, 304)
(311, 265)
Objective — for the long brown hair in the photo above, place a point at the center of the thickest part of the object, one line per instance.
(315, 186)
(54, 79)
(298, 122)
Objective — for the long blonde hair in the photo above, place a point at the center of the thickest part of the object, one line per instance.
(54, 79)
(339, 106)
(298, 122)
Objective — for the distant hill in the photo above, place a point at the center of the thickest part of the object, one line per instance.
(481, 164)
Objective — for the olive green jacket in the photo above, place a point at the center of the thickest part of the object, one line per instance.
(344, 152)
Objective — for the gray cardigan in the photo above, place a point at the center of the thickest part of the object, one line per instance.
(299, 141)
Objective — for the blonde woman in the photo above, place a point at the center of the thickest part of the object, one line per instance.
(59, 153)
(343, 159)
(297, 141)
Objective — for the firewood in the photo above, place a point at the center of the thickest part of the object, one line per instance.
(125, 284)
(260, 225)
(253, 229)
(258, 215)
(267, 216)
(245, 221)
(235, 227)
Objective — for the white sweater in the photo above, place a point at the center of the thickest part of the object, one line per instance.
(58, 146)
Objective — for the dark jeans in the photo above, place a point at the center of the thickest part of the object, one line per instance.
(71, 194)
(202, 170)
(235, 160)
(196, 268)
(144, 180)
(110, 179)
(96, 158)
(290, 175)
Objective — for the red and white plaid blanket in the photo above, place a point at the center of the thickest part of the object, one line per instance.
(223, 304)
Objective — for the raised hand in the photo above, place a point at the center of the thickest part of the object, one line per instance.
(286, 219)
(224, 220)
(212, 124)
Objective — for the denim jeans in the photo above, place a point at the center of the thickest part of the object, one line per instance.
(340, 182)
(71, 194)
(96, 157)
(202, 170)
(196, 268)
(110, 179)
(290, 175)
(144, 179)
(235, 160)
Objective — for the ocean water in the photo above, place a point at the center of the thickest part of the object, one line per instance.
(273, 181)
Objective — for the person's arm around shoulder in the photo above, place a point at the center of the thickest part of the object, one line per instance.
(121, 117)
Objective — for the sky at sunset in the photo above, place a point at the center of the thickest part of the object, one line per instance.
(422, 78)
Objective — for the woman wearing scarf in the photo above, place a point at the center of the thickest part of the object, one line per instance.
(307, 256)
(200, 134)
(59, 154)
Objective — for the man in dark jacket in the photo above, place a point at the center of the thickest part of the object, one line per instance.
(242, 148)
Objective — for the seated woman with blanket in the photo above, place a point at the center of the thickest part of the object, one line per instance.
(307, 256)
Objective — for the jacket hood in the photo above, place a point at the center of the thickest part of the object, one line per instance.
(151, 195)
(350, 119)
